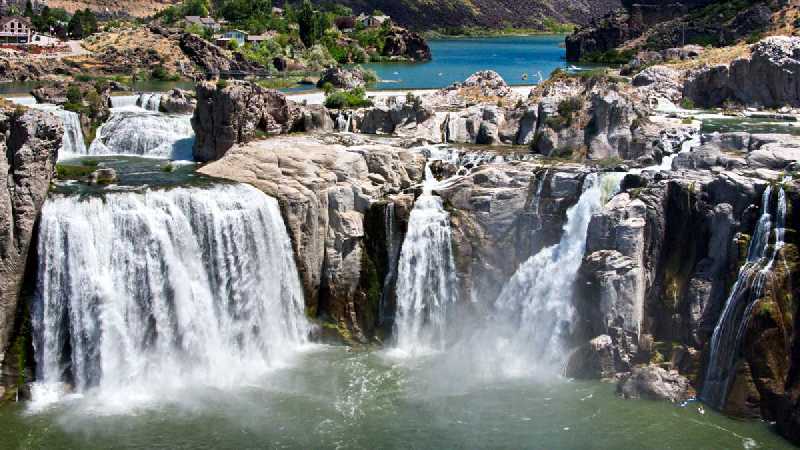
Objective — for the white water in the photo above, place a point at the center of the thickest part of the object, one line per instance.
(425, 277)
(145, 133)
(141, 297)
(147, 100)
(72, 143)
(537, 301)
(748, 288)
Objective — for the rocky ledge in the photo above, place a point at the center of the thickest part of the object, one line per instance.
(30, 141)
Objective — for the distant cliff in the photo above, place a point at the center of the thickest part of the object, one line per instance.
(426, 15)
(415, 14)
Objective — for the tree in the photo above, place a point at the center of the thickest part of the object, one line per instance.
(306, 24)
(28, 9)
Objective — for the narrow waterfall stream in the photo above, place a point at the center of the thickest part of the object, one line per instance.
(426, 276)
(537, 302)
(72, 143)
(749, 286)
(140, 296)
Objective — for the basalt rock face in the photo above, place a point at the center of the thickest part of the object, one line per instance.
(30, 143)
(342, 78)
(769, 77)
(177, 102)
(595, 118)
(404, 44)
(211, 59)
(502, 214)
(655, 26)
(329, 196)
(236, 113)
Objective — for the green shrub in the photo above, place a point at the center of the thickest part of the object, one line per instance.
(222, 84)
(347, 99)
(69, 171)
(162, 74)
(687, 103)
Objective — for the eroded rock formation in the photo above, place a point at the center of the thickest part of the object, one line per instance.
(30, 141)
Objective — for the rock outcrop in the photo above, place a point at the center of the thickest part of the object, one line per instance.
(655, 383)
(406, 45)
(768, 78)
(329, 196)
(213, 60)
(30, 141)
(342, 78)
(237, 112)
(177, 102)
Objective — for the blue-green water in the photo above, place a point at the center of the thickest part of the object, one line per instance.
(457, 59)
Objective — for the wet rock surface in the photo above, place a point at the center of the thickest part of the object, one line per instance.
(30, 142)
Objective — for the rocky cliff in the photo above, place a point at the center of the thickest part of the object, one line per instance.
(766, 78)
(30, 141)
(333, 199)
(229, 113)
(650, 25)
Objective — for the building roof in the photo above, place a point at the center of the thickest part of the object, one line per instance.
(5, 19)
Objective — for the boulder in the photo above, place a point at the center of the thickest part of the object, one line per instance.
(235, 112)
(401, 43)
(653, 382)
(177, 102)
(342, 78)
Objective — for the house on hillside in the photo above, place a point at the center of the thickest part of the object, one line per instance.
(235, 35)
(7, 7)
(15, 30)
(208, 23)
(259, 38)
(372, 21)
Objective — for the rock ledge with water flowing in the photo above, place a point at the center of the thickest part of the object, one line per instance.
(30, 143)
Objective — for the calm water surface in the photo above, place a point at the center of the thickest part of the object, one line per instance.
(456, 59)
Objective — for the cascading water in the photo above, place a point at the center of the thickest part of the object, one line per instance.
(72, 143)
(140, 296)
(145, 134)
(393, 254)
(748, 288)
(149, 101)
(426, 276)
(537, 302)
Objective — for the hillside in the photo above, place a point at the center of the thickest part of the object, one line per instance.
(428, 15)
(415, 14)
(134, 8)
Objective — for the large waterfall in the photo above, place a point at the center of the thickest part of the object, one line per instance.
(425, 276)
(537, 302)
(142, 295)
(748, 288)
(145, 133)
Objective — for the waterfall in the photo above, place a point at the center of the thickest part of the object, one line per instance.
(145, 134)
(72, 143)
(147, 294)
(343, 122)
(748, 288)
(149, 101)
(426, 276)
(124, 101)
(537, 301)
(392, 254)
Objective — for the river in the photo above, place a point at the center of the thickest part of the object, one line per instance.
(133, 303)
